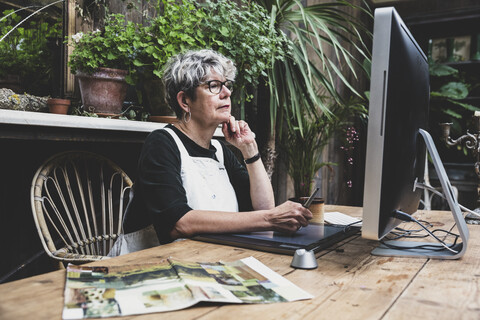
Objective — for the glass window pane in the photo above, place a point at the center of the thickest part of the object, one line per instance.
(31, 46)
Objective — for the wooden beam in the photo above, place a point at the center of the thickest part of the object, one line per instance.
(69, 21)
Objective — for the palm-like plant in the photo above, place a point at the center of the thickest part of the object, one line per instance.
(327, 43)
(304, 148)
(295, 81)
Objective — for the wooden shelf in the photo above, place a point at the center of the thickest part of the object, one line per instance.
(45, 126)
(68, 121)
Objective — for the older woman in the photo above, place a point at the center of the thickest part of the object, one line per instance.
(189, 183)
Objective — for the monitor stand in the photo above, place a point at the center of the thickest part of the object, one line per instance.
(434, 251)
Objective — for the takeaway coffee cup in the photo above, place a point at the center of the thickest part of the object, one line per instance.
(317, 209)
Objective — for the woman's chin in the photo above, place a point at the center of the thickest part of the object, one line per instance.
(224, 117)
(220, 123)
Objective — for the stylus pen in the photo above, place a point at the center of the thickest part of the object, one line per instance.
(309, 200)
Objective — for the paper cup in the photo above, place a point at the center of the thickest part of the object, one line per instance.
(316, 208)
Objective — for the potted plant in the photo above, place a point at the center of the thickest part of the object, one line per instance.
(303, 148)
(102, 60)
(325, 58)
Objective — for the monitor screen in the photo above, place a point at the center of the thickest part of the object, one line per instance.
(399, 99)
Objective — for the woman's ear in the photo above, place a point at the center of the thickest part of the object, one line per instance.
(183, 100)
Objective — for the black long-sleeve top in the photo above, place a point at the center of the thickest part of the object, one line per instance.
(159, 197)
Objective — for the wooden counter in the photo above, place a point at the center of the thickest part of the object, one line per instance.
(349, 283)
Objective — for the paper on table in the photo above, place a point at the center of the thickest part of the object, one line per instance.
(92, 292)
(341, 219)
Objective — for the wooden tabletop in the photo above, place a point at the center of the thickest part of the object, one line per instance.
(349, 283)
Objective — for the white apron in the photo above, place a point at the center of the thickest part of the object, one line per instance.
(207, 187)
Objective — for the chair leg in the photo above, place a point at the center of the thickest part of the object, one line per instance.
(21, 266)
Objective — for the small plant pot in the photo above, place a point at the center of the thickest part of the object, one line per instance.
(58, 106)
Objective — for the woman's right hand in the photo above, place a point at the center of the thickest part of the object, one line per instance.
(288, 217)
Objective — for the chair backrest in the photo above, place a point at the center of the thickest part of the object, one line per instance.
(78, 200)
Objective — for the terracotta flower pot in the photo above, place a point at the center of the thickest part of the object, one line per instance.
(58, 106)
(103, 91)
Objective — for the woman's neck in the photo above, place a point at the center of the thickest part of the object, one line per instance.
(199, 135)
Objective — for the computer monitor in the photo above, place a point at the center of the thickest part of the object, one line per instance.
(396, 138)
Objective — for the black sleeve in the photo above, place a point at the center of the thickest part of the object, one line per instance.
(159, 196)
(239, 179)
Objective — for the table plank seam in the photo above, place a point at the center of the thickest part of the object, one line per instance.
(405, 288)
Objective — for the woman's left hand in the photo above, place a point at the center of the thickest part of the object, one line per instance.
(238, 133)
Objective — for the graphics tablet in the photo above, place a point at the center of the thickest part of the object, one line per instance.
(314, 237)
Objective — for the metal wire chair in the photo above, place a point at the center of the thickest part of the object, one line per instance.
(78, 200)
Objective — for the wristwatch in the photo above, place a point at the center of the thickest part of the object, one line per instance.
(252, 159)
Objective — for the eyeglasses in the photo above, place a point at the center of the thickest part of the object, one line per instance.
(215, 86)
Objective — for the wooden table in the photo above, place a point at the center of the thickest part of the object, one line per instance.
(349, 283)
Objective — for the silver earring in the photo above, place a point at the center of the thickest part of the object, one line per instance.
(185, 120)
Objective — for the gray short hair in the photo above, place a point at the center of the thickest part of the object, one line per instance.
(185, 71)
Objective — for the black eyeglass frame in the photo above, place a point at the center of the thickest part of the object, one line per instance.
(221, 83)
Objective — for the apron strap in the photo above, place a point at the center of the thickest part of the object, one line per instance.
(180, 146)
(183, 150)
(219, 152)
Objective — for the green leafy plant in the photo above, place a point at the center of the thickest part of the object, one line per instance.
(242, 32)
(449, 85)
(114, 47)
(176, 29)
(305, 99)
(25, 51)
(10, 46)
(303, 148)
(449, 90)
(327, 44)
(173, 27)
